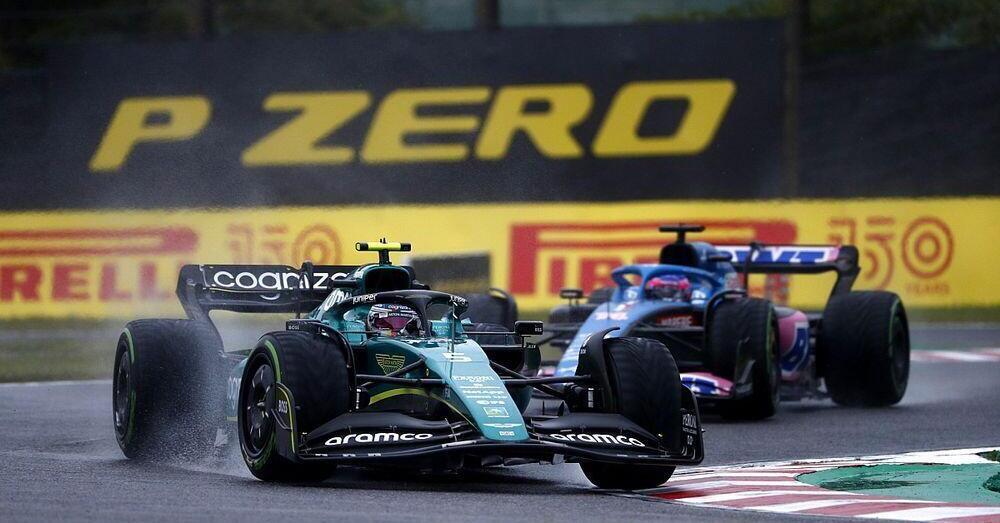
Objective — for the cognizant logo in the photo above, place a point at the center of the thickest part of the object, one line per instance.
(272, 281)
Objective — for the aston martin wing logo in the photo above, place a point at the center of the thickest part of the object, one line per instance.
(390, 363)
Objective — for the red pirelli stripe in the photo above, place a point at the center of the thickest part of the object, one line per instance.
(98, 242)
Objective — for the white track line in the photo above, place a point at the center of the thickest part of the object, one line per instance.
(798, 506)
(722, 484)
(736, 474)
(59, 383)
(990, 354)
(933, 513)
(955, 325)
(750, 494)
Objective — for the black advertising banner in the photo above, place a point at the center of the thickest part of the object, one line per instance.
(606, 113)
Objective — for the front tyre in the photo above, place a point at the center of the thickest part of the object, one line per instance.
(864, 344)
(315, 372)
(746, 326)
(648, 386)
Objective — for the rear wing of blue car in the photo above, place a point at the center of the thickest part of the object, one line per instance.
(758, 258)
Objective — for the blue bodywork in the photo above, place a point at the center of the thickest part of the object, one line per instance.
(629, 306)
(637, 314)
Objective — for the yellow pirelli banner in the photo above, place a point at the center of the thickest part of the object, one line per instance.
(933, 252)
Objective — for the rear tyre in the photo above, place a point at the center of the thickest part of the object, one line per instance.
(600, 295)
(751, 326)
(571, 313)
(168, 389)
(513, 360)
(496, 307)
(315, 371)
(580, 312)
(648, 386)
(865, 349)
(501, 338)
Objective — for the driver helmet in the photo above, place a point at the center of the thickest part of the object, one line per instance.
(676, 288)
(393, 319)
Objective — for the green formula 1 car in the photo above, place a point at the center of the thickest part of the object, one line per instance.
(383, 370)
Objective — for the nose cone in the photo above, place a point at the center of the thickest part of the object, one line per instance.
(475, 388)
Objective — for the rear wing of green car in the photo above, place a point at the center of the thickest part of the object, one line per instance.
(261, 288)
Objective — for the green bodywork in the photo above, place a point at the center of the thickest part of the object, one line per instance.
(471, 389)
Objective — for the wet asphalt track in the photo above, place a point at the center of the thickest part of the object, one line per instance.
(59, 460)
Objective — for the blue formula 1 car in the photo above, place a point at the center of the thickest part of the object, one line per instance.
(382, 370)
(739, 353)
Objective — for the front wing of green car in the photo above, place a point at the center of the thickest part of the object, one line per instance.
(482, 418)
(367, 437)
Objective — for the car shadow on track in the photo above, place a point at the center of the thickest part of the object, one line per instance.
(500, 481)
(522, 480)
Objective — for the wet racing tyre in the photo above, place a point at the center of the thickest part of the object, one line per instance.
(512, 360)
(580, 312)
(168, 389)
(570, 313)
(749, 325)
(864, 349)
(495, 306)
(315, 371)
(648, 387)
(500, 338)
(600, 295)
